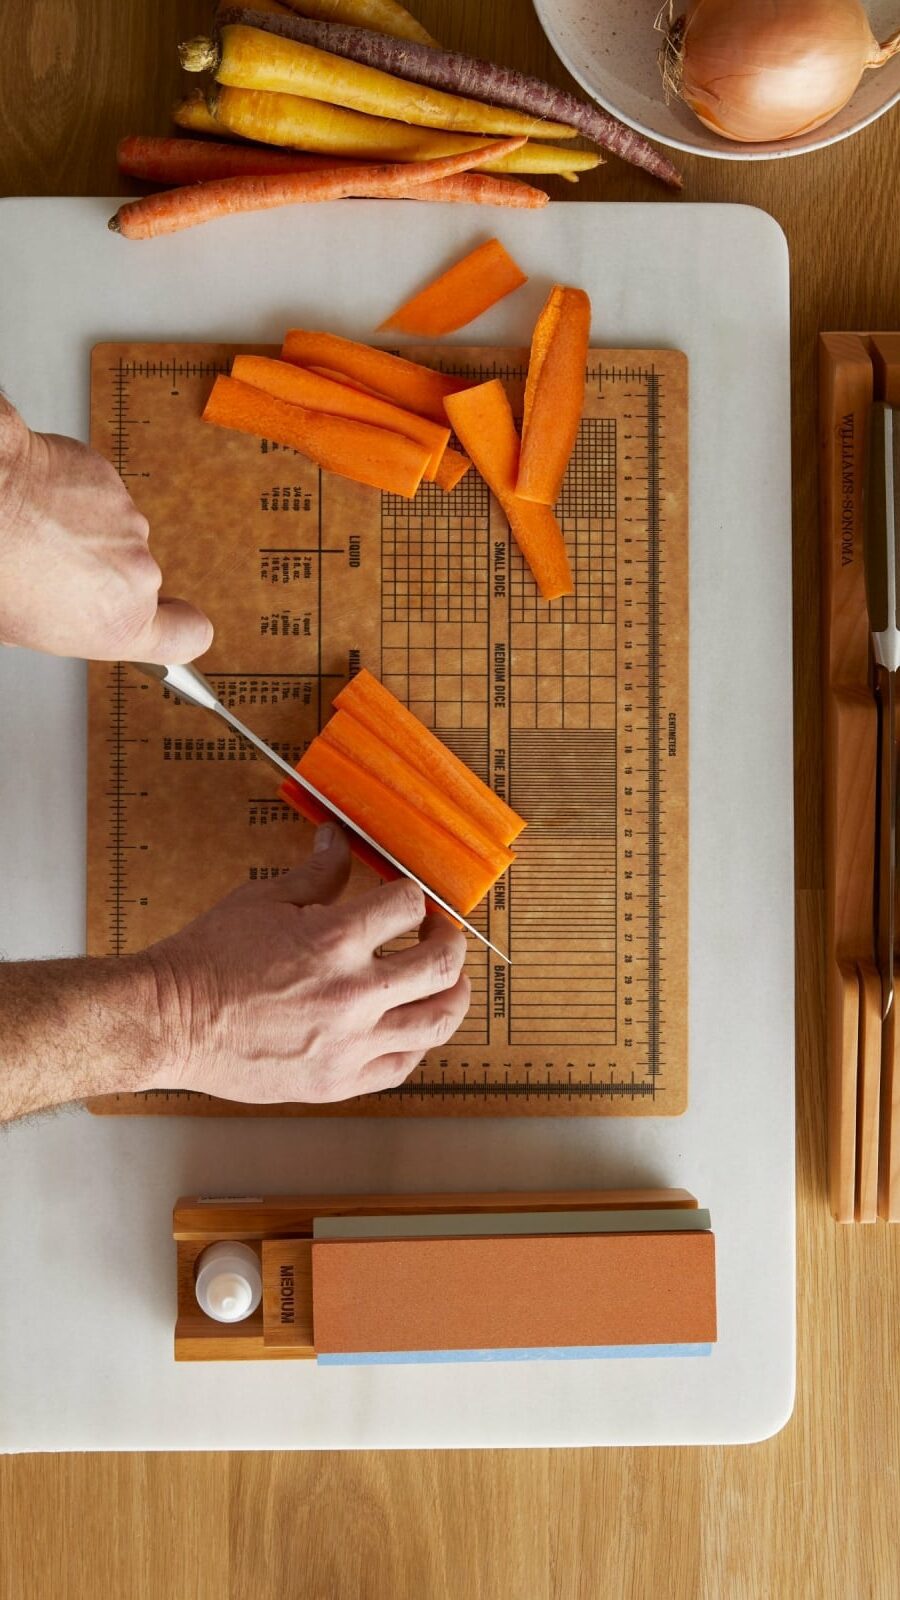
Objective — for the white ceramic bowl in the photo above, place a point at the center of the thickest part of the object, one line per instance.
(611, 47)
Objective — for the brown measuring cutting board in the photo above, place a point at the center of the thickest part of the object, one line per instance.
(576, 711)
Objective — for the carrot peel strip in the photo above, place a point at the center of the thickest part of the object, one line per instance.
(554, 394)
(483, 422)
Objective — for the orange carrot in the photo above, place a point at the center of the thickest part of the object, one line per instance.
(304, 388)
(460, 294)
(483, 189)
(371, 703)
(356, 450)
(452, 469)
(409, 385)
(457, 875)
(554, 394)
(483, 422)
(369, 750)
(202, 202)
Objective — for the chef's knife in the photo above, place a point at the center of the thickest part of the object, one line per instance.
(882, 573)
(190, 685)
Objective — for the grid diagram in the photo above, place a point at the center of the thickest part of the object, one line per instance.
(434, 554)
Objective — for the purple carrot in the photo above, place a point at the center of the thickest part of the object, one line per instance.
(460, 74)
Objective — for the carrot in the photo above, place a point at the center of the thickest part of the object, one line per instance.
(178, 161)
(251, 58)
(554, 393)
(371, 703)
(460, 294)
(483, 422)
(385, 16)
(304, 388)
(356, 450)
(409, 385)
(452, 469)
(175, 209)
(370, 751)
(315, 812)
(455, 872)
(464, 75)
(296, 123)
(193, 114)
(483, 189)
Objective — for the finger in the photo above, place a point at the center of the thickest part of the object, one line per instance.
(426, 1024)
(388, 1071)
(427, 968)
(178, 632)
(386, 913)
(324, 873)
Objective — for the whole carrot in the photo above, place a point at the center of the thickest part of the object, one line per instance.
(464, 75)
(181, 161)
(175, 209)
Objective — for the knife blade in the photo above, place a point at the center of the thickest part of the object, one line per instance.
(190, 685)
(881, 560)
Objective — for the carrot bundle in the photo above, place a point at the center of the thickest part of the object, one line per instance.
(461, 294)
(483, 422)
(390, 780)
(175, 209)
(464, 75)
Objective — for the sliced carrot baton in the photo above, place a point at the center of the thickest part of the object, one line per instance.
(371, 703)
(374, 456)
(367, 749)
(460, 294)
(483, 422)
(408, 384)
(175, 209)
(554, 394)
(304, 388)
(447, 866)
(315, 812)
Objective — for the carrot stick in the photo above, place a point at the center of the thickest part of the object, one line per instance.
(371, 703)
(175, 209)
(483, 422)
(452, 469)
(296, 123)
(452, 870)
(409, 385)
(554, 394)
(304, 388)
(369, 750)
(251, 58)
(460, 294)
(355, 450)
(461, 74)
(315, 812)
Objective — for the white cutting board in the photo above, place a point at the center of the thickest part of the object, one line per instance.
(87, 1279)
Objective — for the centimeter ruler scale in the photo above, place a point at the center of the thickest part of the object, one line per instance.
(575, 711)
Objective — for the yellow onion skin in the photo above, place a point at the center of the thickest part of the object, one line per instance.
(764, 70)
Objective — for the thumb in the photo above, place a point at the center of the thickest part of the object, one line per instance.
(323, 874)
(177, 633)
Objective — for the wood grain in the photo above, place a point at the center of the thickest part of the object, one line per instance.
(809, 1515)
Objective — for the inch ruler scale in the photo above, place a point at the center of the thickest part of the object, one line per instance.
(575, 712)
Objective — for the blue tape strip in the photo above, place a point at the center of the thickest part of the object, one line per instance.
(578, 1352)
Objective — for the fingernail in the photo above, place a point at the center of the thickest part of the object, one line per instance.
(324, 839)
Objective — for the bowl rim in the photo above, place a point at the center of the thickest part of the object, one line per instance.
(730, 151)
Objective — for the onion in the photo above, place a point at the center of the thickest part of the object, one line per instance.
(769, 69)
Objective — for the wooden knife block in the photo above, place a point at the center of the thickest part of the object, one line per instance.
(855, 369)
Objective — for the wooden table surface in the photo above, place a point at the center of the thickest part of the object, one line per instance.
(812, 1513)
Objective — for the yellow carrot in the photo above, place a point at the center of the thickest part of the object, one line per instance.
(383, 16)
(193, 114)
(299, 124)
(248, 58)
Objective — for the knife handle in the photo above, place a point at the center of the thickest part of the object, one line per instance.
(881, 538)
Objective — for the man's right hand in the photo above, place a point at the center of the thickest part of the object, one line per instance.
(276, 994)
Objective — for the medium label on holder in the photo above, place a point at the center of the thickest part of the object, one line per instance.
(287, 1292)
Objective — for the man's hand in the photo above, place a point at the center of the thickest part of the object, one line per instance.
(275, 994)
(76, 575)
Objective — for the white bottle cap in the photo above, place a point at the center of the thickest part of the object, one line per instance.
(228, 1281)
